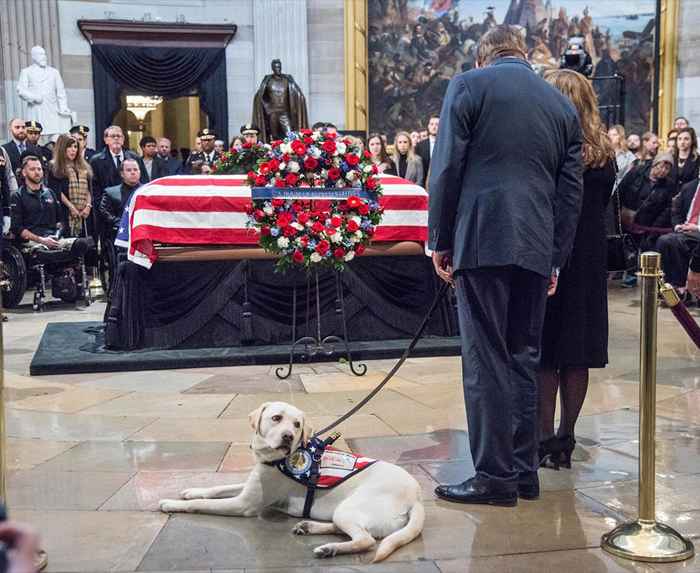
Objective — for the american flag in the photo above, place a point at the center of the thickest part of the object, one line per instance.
(211, 210)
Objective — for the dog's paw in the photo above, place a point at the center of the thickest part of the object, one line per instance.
(301, 528)
(327, 550)
(192, 493)
(172, 506)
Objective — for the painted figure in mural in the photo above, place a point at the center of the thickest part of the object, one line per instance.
(41, 87)
(279, 106)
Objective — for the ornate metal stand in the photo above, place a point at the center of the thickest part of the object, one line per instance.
(314, 345)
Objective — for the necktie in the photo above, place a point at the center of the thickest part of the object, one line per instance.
(22, 147)
(118, 159)
(695, 210)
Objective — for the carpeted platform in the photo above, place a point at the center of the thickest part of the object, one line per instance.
(78, 347)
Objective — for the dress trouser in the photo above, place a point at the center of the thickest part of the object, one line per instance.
(501, 312)
(676, 250)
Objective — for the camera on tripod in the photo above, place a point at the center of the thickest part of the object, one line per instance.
(576, 58)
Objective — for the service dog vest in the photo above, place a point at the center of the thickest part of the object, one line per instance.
(319, 466)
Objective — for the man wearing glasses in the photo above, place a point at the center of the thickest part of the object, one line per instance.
(105, 165)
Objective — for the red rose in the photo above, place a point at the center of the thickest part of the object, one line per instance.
(347, 141)
(368, 155)
(277, 202)
(298, 257)
(359, 249)
(259, 215)
(276, 143)
(292, 179)
(251, 175)
(339, 253)
(371, 183)
(330, 135)
(247, 145)
(260, 181)
(328, 146)
(333, 173)
(310, 163)
(289, 231)
(308, 140)
(336, 221)
(322, 247)
(273, 164)
(352, 226)
(304, 240)
(330, 231)
(283, 219)
(354, 202)
(375, 169)
(317, 227)
(280, 183)
(298, 147)
(352, 159)
(265, 231)
(286, 158)
(303, 217)
(265, 168)
(363, 209)
(305, 131)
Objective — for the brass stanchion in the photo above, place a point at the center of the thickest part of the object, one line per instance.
(646, 539)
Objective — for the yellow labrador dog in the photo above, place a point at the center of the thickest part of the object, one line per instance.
(381, 502)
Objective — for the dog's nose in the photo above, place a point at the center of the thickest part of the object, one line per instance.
(287, 437)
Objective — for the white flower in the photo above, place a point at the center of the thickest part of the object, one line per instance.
(282, 166)
(297, 226)
(337, 237)
(316, 258)
(354, 239)
(351, 175)
(316, 135)
(340, 147)
(309, 223)
(297, 242)
(285, 148)
(268, 210)
(359, 234)
(293, 166)
(340, 183)
(283, 242)
(349, 256)
(368, 169)
(315, 151)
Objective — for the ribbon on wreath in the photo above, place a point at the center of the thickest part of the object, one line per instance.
(680, 311)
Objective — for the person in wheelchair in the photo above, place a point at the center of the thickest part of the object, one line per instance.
(115, 198)
(36, 214)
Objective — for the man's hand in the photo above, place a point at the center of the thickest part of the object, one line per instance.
(693, 283)
(688, 228)
(553, 282)
(50, 242)
(23, 547)
(442, 261)
(6, 224)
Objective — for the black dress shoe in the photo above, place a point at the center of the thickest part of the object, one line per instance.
(529, 485)
(479, 490)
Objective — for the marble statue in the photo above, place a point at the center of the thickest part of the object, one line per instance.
(41, 88)
(279, 105)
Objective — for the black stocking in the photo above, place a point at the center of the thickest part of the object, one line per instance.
(574, 386)
(549, 383)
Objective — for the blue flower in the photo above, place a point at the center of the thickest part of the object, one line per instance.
(274, 231)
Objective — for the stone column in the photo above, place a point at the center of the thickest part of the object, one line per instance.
(24, 24)
(280, 31)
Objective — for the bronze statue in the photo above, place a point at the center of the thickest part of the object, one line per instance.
(279, 106)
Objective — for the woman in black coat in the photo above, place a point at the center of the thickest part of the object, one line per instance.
(686, 159)
(575, 333)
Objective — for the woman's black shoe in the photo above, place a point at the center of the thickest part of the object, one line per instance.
(550, 453)
(567, 444)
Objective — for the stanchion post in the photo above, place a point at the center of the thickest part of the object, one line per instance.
(3, 426)
(646, 539)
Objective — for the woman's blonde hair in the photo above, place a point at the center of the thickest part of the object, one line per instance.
(623, 136)
(60, 163)
(597, 149)
(411, 154)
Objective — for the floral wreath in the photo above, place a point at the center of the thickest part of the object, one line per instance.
(332, 208)
(240, 159)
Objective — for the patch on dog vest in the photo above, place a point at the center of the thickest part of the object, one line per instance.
(335, 466)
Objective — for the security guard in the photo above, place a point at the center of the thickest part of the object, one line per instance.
(34, 129)
(202, 161)
(80, 133)
(250, 133)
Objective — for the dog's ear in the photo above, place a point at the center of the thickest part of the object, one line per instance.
(255, 417)
(306, 432)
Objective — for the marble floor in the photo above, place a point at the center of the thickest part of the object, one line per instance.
(91, 455)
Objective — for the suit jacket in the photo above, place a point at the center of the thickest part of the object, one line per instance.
(423, 151)
(112, 204)
(197, 156)
(506, 180)
(105, 173)
(682, 202)
(165, 167)
(15, 155)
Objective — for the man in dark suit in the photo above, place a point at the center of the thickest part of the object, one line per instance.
(505, 194)
(115, 198)
(18, 143)
(164, 163)
(105, 165)
(202, 161)
(424, 149)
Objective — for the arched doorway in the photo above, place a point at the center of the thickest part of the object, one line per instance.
(182, 65)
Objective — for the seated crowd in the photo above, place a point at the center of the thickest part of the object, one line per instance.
(65, 190)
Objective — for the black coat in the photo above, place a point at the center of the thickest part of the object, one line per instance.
(165, 167)
(655, 209)
(112, 204)
(423, 151)
(105, 173)
(575, 331)
(15, 155)
(506, 173)
(682, 175)
(683, 201)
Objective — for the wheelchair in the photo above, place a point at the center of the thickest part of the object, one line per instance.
(63, 271)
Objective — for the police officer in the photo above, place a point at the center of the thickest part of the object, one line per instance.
(250, 133)
(80, 133)
(202, 161)
(33, 129)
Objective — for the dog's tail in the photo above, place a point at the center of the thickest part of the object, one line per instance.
(416, 519)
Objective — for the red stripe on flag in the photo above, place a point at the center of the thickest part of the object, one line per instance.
(400, 233)
(184, 236)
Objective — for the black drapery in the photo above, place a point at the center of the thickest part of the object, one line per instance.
(167, 72)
